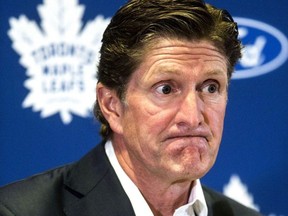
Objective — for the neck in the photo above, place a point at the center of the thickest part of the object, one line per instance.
(163, 194)
(164, 200)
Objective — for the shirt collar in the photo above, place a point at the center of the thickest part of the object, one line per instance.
(196, 200)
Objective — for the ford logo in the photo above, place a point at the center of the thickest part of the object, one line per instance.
(265, 48)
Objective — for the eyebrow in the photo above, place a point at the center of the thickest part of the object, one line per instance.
(166, 70)
(219, 73)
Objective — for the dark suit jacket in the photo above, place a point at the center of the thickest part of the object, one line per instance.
(88, 187)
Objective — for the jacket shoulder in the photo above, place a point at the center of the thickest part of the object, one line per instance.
(222, 205)
(37, 195)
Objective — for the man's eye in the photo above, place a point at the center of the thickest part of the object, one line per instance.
(211, 88)
(164, 89)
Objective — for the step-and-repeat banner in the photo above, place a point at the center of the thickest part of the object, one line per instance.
(48, 56)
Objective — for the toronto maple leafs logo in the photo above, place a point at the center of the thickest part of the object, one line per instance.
(237, 190)
(60, 58)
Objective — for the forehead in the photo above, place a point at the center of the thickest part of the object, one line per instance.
(165, 53)
(176, 46)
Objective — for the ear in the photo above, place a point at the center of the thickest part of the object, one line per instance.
(110, 106)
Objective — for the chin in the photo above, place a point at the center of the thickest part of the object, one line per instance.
(190, 171)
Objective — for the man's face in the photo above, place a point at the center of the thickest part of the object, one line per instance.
(172, 117)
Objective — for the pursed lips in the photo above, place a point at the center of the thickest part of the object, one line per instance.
(193, 135)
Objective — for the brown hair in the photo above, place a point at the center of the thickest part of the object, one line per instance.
(139, 22)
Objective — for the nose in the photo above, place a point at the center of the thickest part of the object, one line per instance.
(190, 111)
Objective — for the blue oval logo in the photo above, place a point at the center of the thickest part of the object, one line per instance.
(265, 48)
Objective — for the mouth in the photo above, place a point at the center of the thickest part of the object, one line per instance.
(187, 137)
(199, 138)
(194, 136)
(187, 144)
(187, 140)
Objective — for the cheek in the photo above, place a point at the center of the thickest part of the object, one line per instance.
(150, 113)
(216, 120)
(146, 123)
(158, 119)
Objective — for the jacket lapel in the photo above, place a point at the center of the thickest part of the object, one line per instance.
(92, 188)
(216, 204)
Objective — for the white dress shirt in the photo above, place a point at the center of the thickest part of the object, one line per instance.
(196, 203)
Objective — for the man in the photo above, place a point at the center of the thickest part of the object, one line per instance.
(161, 96)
